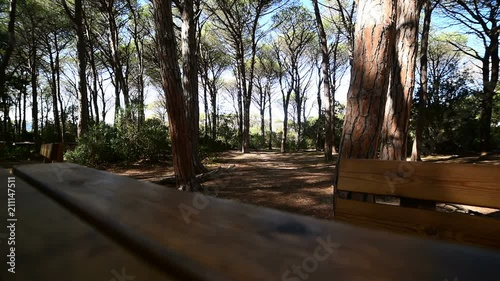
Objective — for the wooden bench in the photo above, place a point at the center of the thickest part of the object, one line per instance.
(52, 152)
(468, 184)
(76, 223)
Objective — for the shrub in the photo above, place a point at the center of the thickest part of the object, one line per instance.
(127, 142)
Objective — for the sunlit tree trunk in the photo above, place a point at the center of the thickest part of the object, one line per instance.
(400, 92)
(372, 62)
(371, 68)
(172, 86)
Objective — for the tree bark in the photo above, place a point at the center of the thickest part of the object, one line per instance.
(189, 49)
(270, 144)
(139, 47)
(373, 59)
(83, 104)
(34, 90)
(54, 69)
(422, 94)
(11, 43)
(489, 85)
(400, 92)
(172, 86)
(371, 67)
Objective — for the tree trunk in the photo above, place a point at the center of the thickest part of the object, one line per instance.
(78, 24)
(489, 85)
(54, 69)
(83, 122)
(205, 103)
(372, 62)
(172, 86)
(270, 144)
(34, 91)
(325, 69)
(190, 79)
(23, 126)
(139, 47)
(298, 102)
(400, 92)
(213, 101)
(11, 43)
(422, 94)
(285, 129)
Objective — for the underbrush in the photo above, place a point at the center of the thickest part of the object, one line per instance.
(126, 142)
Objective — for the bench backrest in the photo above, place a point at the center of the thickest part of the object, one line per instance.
(53, 151)
(467, 184)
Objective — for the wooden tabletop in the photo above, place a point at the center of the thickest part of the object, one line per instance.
(190, 236)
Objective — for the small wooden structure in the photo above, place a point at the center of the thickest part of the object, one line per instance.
(53, 152)
(468, 184)
(76, 223)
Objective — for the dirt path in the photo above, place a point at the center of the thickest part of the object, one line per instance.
(296, 182)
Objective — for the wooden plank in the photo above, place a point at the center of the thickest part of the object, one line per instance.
(53, 244)
(46, 150)
(477, 185)
(245, 242)
(461, 228)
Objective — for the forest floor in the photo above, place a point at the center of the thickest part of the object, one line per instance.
(299, 182)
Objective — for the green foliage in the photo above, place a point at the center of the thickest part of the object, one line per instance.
(227, 130)
(16, 152)
(452, 116)
(127, 142)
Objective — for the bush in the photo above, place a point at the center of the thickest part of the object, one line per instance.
(127, 142)
(13, 152)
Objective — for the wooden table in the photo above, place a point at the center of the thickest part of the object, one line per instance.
(77, 223)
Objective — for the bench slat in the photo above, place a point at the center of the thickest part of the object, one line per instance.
(244, 242)
(477, 185)
(52, 244)
(448, 226)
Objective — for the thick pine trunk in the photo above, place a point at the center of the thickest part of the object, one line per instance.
(372, 62)
(400, 92)
(190, 79)
(371, 67)
(172, 86)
